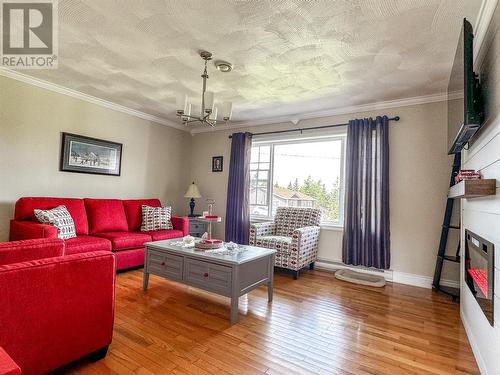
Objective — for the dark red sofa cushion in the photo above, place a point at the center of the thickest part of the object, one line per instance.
(133, 211)
(125, 240)
(76, 207)
(105, 215)
(86, 244)
(165, 234)
(22, 251)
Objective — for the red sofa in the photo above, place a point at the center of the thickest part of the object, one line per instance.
(55, 309)
(101, 224)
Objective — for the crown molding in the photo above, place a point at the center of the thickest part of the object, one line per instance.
(88, 98)
(483, 21)
(296, 118)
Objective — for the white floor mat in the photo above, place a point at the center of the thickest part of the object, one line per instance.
(360, 278)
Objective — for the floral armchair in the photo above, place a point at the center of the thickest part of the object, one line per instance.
(294, 234)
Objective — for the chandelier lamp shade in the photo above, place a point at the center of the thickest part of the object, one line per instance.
(209, 112)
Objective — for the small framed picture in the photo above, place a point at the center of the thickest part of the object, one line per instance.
(90, 155)
(217, 164)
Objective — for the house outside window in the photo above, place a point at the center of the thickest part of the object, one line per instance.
(302, 172)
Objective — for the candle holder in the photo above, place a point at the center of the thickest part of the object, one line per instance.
(210, 243)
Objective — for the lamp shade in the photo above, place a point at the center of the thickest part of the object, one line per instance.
(209, 101)
(187, 112)
(192, 192)
(227, 110)
(181, 103)
(213, 115)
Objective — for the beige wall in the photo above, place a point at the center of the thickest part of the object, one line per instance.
(159, 162)
(482, 215)
(154, 163)
(419, 177)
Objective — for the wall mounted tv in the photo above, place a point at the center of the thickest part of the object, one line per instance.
(464, 95)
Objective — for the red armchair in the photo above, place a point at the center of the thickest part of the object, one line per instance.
(22, 251)
(55, 309)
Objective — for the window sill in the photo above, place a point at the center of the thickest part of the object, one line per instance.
(333, 227)
(336, 228)
(260, 219)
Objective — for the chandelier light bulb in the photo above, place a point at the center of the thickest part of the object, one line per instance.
(213, 115)
(181, 103)
(187, 112)
(209, 101)
(227, 110)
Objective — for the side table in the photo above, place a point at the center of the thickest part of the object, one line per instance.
(197, 227)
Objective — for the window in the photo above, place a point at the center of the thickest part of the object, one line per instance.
(298, 173)
(260, 168)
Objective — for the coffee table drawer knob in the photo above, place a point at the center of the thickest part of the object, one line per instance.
(162, 263)
(205, 274)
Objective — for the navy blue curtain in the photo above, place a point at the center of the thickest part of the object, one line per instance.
(366, 239)
(238, 190)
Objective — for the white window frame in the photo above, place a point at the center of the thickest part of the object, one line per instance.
(339, 135)
(269, 176)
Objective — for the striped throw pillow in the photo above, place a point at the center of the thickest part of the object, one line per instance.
(156, 218)
(60, 218)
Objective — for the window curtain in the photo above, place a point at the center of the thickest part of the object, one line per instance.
(366, 239)
(238, 190)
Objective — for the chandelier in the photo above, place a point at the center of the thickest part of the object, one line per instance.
(208, 112)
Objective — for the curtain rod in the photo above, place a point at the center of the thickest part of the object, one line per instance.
(395, 118)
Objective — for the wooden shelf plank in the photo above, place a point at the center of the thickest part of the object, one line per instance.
(452, 258)
(473, 188)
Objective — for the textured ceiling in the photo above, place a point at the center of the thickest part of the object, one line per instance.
(289, 57)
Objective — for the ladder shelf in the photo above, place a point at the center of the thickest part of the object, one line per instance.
(441, 254)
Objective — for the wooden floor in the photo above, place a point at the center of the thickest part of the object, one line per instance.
(316, 324)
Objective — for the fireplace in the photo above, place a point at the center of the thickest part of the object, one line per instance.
(479, 271)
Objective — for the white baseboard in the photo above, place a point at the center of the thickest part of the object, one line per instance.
(473, 343)
(412, 279)
(389, 275)
(420, 280)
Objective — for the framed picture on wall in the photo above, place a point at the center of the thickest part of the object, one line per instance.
(217, 163)
(82, 154)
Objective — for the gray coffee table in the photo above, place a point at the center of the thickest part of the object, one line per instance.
(227, 275)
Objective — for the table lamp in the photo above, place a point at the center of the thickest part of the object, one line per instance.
(192, 192)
